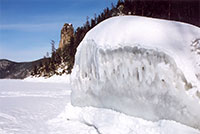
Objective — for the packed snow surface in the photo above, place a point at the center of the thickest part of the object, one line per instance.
(142, 67)
(25, 107)
(45, 108)
(53, 79)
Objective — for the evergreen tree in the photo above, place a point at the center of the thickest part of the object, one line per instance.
(53, 52)
(87, 24)
(35, 70)
(46, 68)
(92, 23)
(58, 58)
(53, 49)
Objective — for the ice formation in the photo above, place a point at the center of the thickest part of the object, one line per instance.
(140, 66)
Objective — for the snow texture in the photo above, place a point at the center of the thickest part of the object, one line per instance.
(45, 108)
(140, 66)
(106, 121)
(25, 107)
(64, 78)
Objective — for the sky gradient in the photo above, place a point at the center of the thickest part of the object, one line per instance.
(28, 26)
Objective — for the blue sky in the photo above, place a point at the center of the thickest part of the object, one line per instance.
(28, 26)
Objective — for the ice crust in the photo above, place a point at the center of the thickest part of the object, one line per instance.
(139, 66)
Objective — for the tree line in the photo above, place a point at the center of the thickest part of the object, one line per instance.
(184, 11)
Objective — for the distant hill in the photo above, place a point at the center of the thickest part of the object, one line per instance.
(17, 70)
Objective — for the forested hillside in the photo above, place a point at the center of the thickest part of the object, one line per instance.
(62, 60)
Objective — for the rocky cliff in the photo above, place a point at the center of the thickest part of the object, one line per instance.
(67, 33)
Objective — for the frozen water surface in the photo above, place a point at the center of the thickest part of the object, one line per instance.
(44, 108)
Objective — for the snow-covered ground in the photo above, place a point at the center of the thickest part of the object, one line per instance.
(25, 107)
(45, 108)
(55, 79)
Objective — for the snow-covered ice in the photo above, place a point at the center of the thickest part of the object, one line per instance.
(64, 78)
(45, 108)
(25, 107)
(140, 66)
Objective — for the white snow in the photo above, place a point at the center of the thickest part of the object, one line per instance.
(106, 121)
(45, 108)
(64, 78)
(140, 66)
(25, 107)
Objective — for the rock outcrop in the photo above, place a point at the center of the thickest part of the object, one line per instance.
(67, 33)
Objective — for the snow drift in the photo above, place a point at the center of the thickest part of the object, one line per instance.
(140, 66)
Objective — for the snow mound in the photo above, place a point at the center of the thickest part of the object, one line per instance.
(139, 66)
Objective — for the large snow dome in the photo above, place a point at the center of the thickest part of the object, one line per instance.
(140, 66)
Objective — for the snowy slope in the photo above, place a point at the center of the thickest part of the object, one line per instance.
(44, 108)
(140, 66)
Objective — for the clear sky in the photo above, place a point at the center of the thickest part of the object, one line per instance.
(28, 26)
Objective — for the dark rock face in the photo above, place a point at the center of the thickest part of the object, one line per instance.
(17, 70)
(67, 33)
